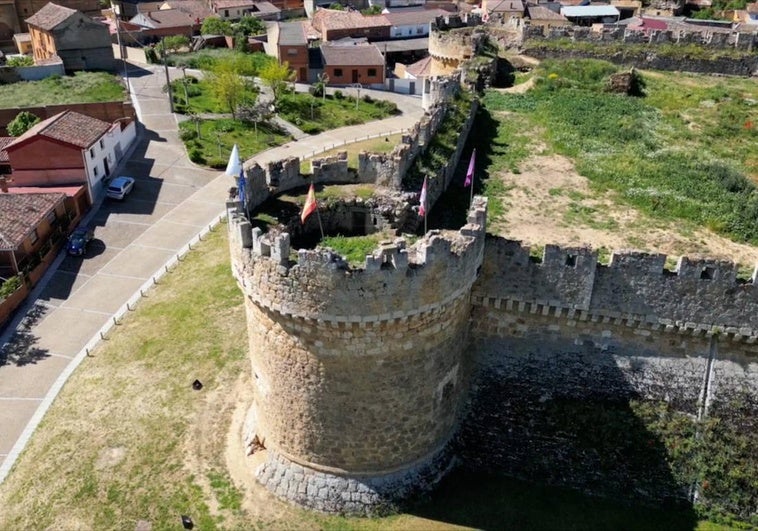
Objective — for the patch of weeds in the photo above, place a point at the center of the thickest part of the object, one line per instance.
(228, 496)
(554, 192)
(536, 252)
(604, 255)
(353, 248)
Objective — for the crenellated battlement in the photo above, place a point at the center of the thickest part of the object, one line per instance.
(702, 294)
(395, 280)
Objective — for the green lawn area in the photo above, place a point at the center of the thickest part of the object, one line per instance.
(217, 137)
(128, 439)
(201, 98)
(249, 64)
(687, 150)
(314, 115)
(83, 87)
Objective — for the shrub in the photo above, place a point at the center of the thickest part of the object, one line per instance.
(216, 163)
(338, 95)
(20, 60)
(196, 156)
(22, 123)
(187, 134)
(8, 287)
(368, 99)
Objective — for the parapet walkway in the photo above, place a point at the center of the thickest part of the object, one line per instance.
(79, 301)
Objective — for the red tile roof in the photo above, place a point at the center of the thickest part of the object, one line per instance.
(22, 213)
(4, 141)
(422, 68)
(352, 55)
(50, 16)
(332, 19)
(68, 127)
(543, 13)
(752, 8)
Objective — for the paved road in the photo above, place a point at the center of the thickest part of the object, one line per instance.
(172, 202)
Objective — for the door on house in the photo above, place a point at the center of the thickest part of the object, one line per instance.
(117, 150)
(355, 76)
(106, 169)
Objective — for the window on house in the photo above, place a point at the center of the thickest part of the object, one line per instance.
(226, 12)
(50, 217)
(33, 236)
(292, 51)
(372, 72)
(420, 30)
(97, 171)
(92, 153)
(102, 144)
(338, 72)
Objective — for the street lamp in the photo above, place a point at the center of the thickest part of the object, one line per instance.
(358, 87)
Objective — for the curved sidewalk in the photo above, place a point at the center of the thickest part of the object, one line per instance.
(78, 301)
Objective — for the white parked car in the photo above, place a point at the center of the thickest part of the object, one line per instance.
(120, 187)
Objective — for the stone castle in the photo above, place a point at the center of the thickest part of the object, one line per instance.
(371, 382)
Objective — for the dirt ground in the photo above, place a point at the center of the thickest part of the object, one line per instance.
(549, 202)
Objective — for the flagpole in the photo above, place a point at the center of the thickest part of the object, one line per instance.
(318, 215)
(426, 214)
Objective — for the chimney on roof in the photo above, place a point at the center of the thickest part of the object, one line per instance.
(3, 184)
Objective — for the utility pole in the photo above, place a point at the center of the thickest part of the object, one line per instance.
(117, 16)
(168, 79)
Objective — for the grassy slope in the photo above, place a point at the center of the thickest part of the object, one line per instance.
(688, 150)
(83, 87)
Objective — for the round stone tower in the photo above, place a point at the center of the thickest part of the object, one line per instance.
(358, 374)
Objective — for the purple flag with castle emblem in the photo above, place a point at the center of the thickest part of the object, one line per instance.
(470, 172)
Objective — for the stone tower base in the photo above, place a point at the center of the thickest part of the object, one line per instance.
(352, 494)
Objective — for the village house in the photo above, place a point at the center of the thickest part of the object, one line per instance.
(175, 17)
(412, 22)
(545, 18)
(70, 149)
(351, 63)
(334, 25)
(288, 43)
(236, 9)
(81, 42)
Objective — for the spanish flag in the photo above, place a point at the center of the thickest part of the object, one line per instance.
(310, 205)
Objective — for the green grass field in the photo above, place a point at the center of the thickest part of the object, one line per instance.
(214, 142)
(687, 150)
(314, 115)
(83, 87)
(196, 97)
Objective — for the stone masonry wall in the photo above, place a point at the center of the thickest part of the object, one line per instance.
(567, 335)
(359, 373)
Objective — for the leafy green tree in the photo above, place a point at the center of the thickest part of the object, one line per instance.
(250, 26)
(174, 43)
(319, 87)
(216, 26)
(228, 86)
(22, 123)
(277, 76)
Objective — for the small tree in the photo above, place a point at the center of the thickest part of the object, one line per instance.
(250, 26)
(22, 123)
(227, 85)
(174, 43)
(319, 87)
(276, 76)
(216, 26)
(255, 112)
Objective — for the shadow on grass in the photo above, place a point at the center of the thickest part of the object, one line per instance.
(450, 210)
(489, 502)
